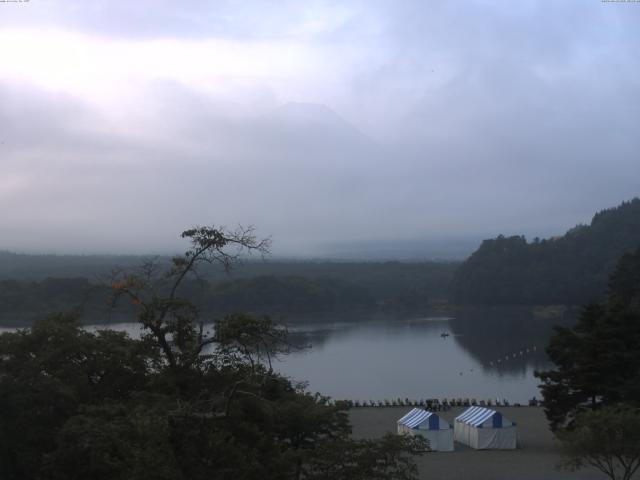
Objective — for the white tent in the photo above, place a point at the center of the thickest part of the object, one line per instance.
(430, 426)
(482, 428)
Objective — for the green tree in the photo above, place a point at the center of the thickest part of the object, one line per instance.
(170, 320)
(387, 458)
(48, 373)
(598, 360)
(250, 339)
(607, 439)
(114, 441)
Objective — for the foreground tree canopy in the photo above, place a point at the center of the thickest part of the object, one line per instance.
(598, 360)
(607, 439)
(592, 397)
(182, 402)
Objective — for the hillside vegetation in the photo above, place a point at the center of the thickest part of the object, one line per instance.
(572, 269)
(289, 288)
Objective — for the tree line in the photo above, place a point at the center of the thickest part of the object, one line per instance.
(389, 287)
(571, 269)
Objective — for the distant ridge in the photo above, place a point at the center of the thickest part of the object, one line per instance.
(570, 269)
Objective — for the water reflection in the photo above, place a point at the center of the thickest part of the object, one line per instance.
(505, 341)
(488, 354)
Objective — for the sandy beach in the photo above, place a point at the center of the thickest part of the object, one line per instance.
(536, 458)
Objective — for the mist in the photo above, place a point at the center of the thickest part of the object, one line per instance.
(339, 129)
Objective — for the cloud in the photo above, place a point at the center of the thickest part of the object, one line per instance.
(323, 123)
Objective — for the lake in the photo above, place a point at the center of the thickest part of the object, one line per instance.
(409, 358)
(489, 353)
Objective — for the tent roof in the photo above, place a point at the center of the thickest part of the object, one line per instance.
(416, 417)
(476, 416)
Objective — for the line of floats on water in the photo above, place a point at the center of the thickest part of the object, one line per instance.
(505, 358)
(511, 356)
(435, 404)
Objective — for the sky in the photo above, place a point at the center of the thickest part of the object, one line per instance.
(334, 127)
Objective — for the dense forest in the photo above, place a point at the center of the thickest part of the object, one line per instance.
(571, 269)
(287, 288)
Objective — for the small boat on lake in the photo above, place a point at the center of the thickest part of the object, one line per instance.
(444, 334)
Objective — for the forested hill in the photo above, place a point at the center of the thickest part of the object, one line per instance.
(34, 286)
(572, 269)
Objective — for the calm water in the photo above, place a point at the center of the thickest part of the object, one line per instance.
(487, 354)
(409, 358)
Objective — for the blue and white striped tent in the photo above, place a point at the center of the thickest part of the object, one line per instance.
(430, 426)
(483, 428)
